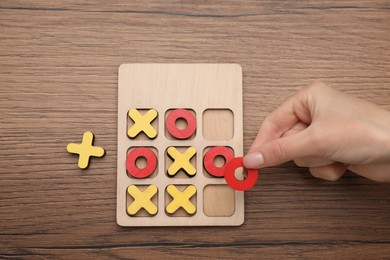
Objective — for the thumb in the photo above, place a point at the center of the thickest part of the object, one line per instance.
(281, 150)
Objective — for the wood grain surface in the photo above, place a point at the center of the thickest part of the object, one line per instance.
(58, 77)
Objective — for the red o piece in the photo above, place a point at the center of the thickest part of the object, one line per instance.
(209, 157)
(151, 162)
(173, 116)
(238, 184)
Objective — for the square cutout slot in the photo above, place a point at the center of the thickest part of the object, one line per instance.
(218, 201)
(141, 162)
(219, 161)
(181, 173)
(218, 124)
(179, 121)
(142, 212)
(180, 212)
(141, 135)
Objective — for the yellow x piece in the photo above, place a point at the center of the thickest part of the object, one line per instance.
(142, 123)
(181, 161)
(181, 199)
(85, 150)
(142, 199)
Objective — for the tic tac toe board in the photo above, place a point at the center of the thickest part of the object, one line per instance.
(170, 118)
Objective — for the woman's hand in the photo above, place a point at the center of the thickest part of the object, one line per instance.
(327, 131)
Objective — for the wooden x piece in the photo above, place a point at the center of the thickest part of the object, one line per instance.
(85, 150)
(142, 123)
(181, 161)
(142, 199)
(181, 199)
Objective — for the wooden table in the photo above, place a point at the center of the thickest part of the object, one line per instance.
(58, 78)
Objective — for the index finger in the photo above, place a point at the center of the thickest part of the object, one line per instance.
(283, 118)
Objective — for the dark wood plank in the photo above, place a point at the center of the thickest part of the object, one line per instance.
(58, 78)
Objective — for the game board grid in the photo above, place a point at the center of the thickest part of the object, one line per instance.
(161, 143)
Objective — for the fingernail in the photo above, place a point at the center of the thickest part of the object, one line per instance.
(253, 160)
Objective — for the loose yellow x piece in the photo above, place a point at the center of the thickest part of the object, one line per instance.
(181, 161)
(85, 150)
(181, 199)
(142, 199)
(142, 123)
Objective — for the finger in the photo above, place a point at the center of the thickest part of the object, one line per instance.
(331, 172)
(282, 150)
(313, 161)
(284, 117)
(377, 172)
(298, 127)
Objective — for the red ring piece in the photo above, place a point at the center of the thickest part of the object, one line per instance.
(238, 184)
(151, 162)
(173, 116)
(209, 157)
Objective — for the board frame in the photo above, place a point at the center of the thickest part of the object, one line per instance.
(168, 86)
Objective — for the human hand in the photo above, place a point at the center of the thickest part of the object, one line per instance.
(327, 131)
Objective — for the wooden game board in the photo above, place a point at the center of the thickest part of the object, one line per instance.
(213, 94)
